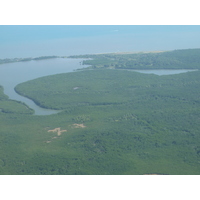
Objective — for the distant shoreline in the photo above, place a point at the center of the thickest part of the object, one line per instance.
(12, 60)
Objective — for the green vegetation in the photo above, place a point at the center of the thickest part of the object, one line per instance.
(177, 59)
(135, 123)
(113, 122)
(45, 57)
(11, 60)
(10, 106)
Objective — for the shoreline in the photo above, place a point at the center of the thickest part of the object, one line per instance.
(13, 60)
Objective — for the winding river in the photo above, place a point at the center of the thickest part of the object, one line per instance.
(12, 74)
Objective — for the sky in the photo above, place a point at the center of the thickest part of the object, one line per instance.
(62, 40)
(21, 33)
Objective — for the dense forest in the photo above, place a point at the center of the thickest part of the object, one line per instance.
(11, 106)
(177, 59)
(112, 122)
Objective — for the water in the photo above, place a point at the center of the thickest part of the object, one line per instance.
(12, 74)
(161, 72)
(35, 41)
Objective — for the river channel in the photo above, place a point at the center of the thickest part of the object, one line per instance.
(12, 74)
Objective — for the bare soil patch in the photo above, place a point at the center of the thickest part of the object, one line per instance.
(136, 52)
(57, 130)
(153, 174)
(79, 126)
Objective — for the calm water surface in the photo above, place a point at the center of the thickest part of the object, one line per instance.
(161, 72)
(12, 74)
(34, 41)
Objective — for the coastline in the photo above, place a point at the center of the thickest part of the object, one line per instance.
(12, 60)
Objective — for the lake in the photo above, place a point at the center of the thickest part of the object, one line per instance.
(161, 72)
(12, 74)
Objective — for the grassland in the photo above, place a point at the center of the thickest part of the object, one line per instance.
(113, 122)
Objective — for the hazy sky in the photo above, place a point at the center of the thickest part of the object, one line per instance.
(32, 41)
